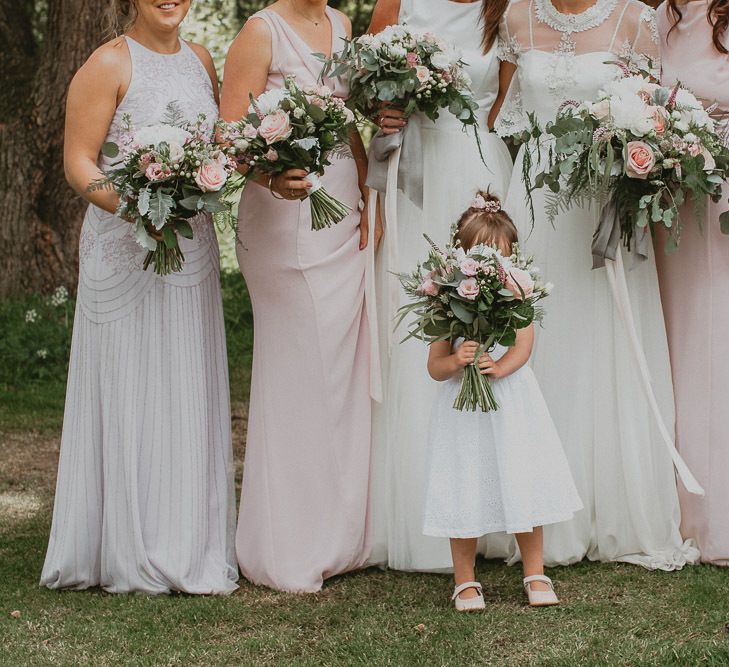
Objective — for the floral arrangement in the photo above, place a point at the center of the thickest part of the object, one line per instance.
(166, 174)
(294, 128)
(409, 70)
(645, 146)
(477, 295)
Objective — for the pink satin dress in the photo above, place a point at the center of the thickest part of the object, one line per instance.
(305, 498)
(694, 282)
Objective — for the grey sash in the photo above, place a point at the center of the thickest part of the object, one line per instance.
(410, 170)
(606, 239)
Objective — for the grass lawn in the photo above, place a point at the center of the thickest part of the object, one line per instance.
(612, 614)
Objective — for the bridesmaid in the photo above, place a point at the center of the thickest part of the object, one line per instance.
(452, 174)
(305, 499)
(144, 499)
(695, 51)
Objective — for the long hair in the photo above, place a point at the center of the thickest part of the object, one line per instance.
(120, 18)
(491, 13)
(718, 15)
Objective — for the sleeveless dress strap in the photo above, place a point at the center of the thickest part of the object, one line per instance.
(272, 21)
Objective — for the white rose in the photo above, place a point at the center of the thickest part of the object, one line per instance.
(396, 51)
(686, 99)
(269, 101)
(306, 143)
(241, 144)
(177, 152)
(154, 135)
(700, 118)
(440, 60)
(631, 113)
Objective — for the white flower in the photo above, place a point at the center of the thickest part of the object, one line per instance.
(269, 101)
(548, 288)
(396, 51)
(440, 61)
(154, 135)
(700, 118)
(631, 113)
(42, 353)
(59, 297)
(177, 152)
(306, 143)
(348, 115)
(298, 112)
(686, 99)
(31, 316)
(241, 145)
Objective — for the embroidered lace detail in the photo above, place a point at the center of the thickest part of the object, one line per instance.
(569, 23)
(648, 15)
(508, 49)
(637, 61)
(511, 119)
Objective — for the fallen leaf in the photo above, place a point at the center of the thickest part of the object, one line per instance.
(15, 614)
(420, 627)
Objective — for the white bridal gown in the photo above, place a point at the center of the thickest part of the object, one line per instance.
(144, 498)
(582, 358)
(453, 171)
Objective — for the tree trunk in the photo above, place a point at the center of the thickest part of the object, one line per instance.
(40, 216)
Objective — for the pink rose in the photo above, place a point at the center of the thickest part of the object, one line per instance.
(272, 155)
(694, 150)
(318, 102)
(145, 160)
(428, 287)
(640, 159)
(412, 59)
(250, 132)
(210, 176)
(469, 266)
(423, 73)
(275, 127)
(518, 278)
(156, 172)
(468, 289)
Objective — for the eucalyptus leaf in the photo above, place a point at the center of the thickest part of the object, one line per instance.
(160, 207)
(110, 149)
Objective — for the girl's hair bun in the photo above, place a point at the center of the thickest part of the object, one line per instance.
(485, 201)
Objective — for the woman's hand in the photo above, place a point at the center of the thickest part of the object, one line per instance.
(364, 225)
(466, 353)
(390, 119)
(292, 184)
(487, 366)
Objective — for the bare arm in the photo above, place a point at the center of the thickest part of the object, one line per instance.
(444, 364)
(246, 73)
(92, 100)
(207, 61)
(513, 360)
(386, 12)
(506, 74)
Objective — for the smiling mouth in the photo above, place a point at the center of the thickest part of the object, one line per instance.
(167, 6)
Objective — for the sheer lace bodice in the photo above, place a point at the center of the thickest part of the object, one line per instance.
(565, 56)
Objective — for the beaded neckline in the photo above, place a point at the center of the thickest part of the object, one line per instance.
(592, 17)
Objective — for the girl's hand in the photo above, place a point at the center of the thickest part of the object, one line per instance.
(466, 353)
(291, 184)
(390, 120)
(364, 225)
(487, 366)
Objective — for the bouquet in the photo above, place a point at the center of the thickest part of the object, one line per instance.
(294, 128)
(642, 147)
(166, 174)
(478, 295)
(411, 71)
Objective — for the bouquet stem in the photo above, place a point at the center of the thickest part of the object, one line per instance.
(164, 260)
(476, 391)
(325, 209)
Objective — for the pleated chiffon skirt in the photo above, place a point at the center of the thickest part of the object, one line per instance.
(145, 498)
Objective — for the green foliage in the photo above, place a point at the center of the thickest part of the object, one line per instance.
(35, 338)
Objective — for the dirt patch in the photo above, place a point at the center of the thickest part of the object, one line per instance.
(28, 463)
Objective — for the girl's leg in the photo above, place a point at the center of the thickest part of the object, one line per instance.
(463, 552)
(531, 546)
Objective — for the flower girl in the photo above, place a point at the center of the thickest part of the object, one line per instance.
(495, 471)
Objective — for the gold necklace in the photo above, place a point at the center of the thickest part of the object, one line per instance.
(300, 13)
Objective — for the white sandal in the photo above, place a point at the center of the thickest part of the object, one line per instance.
(468, 604)
(540, 598)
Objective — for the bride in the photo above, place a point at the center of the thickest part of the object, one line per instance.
(452, 173)
(554, 51)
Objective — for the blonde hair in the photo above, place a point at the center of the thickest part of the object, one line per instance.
(486, 222)
(120, 18)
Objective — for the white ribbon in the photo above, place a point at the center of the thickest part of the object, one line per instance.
(619, 286)
(316, 183)
(371, 301)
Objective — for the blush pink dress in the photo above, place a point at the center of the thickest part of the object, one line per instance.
(304, 504)
(694, 283)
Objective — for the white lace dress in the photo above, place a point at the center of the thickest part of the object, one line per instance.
(500, 471)
(144, 498)
(582, 357)
(452, 172)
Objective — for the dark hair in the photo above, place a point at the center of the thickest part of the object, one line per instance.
(481, 225)
(491, 13)
(717, 14)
